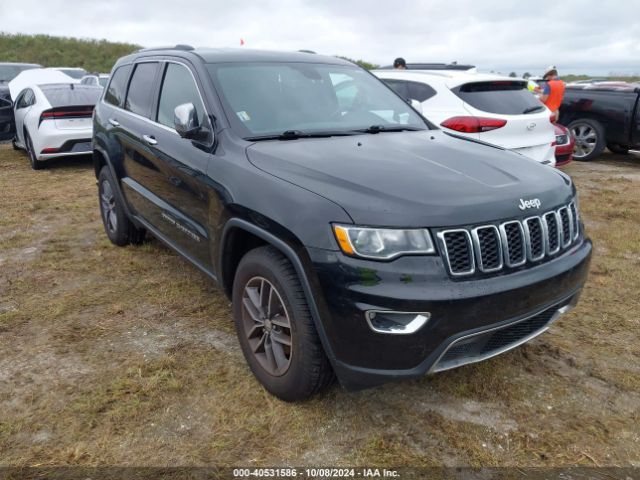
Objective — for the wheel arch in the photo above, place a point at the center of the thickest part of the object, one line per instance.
(101, 159)
(238, 237)
(569, 118)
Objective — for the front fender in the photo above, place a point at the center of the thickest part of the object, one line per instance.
(294, 257)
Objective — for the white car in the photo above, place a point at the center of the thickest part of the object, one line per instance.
(54, 120)
(495, 109)
(99, 80)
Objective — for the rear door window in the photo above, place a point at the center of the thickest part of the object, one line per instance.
(25, 99)
(420, 91)
(501, 97)
(141, 86)
(411, 90)
(118, 86)
(401, 87)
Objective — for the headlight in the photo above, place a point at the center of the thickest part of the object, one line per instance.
(562, 139)
(383, 243)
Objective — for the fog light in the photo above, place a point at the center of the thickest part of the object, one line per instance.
(398, 323)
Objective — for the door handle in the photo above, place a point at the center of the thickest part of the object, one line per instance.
(150, 139)
(114, 122)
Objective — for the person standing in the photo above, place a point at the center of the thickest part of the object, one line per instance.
(399, 64)
(552, 91)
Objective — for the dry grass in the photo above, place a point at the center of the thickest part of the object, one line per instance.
(128, 356)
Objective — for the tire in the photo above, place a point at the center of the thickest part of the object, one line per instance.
(617, 148)
(14, 144)
(290, 372)
(120, 230)
(590, 139)
(35, 163)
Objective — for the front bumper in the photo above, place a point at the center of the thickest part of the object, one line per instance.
(458, 311)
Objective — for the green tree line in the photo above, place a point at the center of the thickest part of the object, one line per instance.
(49, 51)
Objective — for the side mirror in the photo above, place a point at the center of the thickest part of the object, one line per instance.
(416, 105)
(185, 120)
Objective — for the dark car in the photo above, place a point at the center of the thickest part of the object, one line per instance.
(600, 115)
(352, 236)
(8, 71)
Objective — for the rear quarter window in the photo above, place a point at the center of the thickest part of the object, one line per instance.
(118, 86)
(501, 97)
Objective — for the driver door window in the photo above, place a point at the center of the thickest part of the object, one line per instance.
(178, 87)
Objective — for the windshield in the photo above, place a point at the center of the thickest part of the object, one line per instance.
(103, 81)
(263, 99)
(9, 72)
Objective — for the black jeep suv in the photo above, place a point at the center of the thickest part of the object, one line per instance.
(353, 237)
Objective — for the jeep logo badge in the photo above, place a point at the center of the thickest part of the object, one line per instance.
(533, 203)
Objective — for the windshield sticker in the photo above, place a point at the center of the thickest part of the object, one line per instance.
(244, 116)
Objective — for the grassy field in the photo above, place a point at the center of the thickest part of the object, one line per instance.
(114, 356)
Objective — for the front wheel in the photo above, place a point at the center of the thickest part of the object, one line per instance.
(120, 230)
(589, 136)
(275, 328)
(33, 160)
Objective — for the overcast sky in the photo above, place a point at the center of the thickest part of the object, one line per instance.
(579, 36)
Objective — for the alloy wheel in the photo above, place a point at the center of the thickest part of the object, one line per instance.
(108, 206)
(586, 139)
(267, 325)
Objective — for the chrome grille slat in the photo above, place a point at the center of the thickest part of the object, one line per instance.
(534, 238)
(565, 226)
(576, 219)
(454, 241)
(550, 219)
(511, 244)
(488, 246)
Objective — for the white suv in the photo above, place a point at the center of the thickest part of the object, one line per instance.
(495, 109)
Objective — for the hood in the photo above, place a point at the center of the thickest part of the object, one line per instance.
(425, 178)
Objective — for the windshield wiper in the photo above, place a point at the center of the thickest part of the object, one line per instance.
(382, 128)
(296, 134)
(533, 109)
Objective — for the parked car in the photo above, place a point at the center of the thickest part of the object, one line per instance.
(8, 72)
(495, 109)
(588, 81)
(74, 72)
(602, 115)
(54, 120)
(99, 80)
(564, 145)
(351, 235)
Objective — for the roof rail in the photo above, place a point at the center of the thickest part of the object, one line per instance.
(180, 46)
(433, 66)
